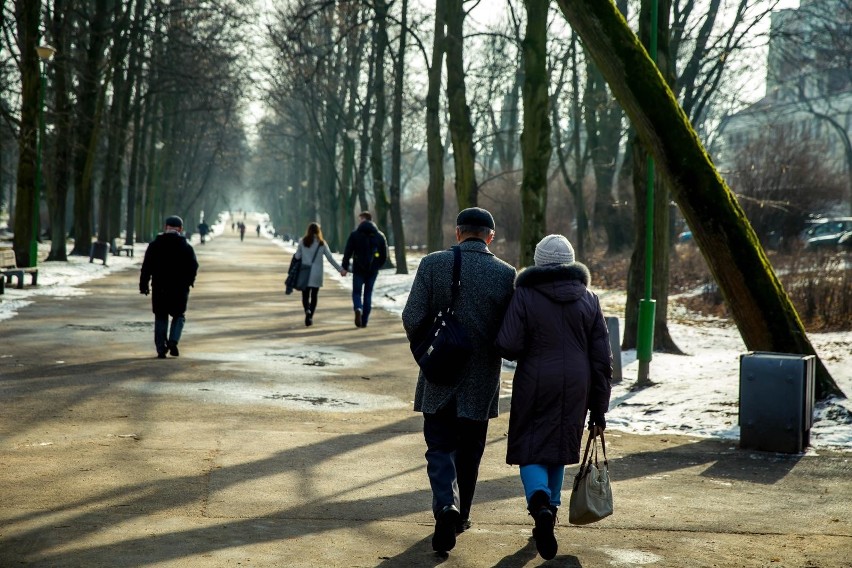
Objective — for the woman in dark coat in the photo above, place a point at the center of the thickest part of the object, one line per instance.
(556, 330)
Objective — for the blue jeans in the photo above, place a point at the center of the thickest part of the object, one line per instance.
(547, 478)
(454, 448)
(363, 285)
(161, 327)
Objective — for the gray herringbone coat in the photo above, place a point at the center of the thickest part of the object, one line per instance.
(486, 290)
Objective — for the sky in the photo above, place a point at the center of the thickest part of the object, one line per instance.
(694, 394)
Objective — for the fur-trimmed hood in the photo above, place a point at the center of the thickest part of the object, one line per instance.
(561, 282)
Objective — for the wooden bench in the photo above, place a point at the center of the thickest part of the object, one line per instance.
(117, 249)
(9, 268)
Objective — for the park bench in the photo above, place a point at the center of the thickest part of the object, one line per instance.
(117, 249)
(9, 268)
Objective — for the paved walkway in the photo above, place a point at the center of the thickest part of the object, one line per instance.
(271, 444)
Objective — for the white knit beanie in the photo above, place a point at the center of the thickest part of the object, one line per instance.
(553, 249)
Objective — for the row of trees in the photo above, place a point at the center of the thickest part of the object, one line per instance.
(529, 109)
(516, 103)
(146, 101)
(142, 110)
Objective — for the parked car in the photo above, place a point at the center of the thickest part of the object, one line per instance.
(826, 233)
(844, 243)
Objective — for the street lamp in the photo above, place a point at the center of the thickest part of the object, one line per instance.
(45, 53)
(648, 305)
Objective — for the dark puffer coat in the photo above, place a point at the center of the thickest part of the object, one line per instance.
(556, 331)
(170, 265)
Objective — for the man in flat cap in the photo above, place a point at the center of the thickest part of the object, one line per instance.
(169, 267)
(456, 416)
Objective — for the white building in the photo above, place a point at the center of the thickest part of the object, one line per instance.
(808, 86)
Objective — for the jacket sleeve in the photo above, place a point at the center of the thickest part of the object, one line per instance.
(347, 251)
(330, 258)
(383, 250)
(512, 335)
(192, 269)
(415, 315)
(600, 363)
(145, 275)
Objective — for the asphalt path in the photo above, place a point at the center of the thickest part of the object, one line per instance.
(268, 443)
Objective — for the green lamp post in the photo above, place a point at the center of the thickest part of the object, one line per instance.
(648, 306)
(45, 53)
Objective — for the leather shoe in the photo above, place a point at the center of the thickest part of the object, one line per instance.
(462, 525)
(444, 538)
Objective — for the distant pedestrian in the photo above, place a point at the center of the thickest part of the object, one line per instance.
(556, 330)
(203, 230)
(169, 268)
(242, 227)
(456, 416)
(309, 249)
(368, 249)
(257, 229)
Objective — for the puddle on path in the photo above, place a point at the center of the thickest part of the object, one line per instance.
(290, 378)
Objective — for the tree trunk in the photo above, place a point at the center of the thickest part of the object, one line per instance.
(377, 147)
(118, 121)
(26, 218)
(535, 139)
(758, 302)
(461, 129)
(58, 191)
(87, 128)
(434, 146)
(396, 147)
(581, 214)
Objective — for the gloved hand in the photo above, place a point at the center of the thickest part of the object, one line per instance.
(597, 420)
(144, 291)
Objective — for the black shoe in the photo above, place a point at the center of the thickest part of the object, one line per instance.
(545, 539)
(161, 354)
(173, 350)
(462, 525)
(358, 318)
(309, 320)
(444, 538)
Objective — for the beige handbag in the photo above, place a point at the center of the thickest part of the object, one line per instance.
(591, 496)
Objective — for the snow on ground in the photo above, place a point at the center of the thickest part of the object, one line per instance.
(695, 394)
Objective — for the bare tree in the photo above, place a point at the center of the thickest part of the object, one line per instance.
(535, 139)
(760, 306)
(26, 218)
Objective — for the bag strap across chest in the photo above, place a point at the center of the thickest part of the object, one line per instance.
(456, 284)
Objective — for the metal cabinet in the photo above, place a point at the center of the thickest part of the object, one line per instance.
(776, 401)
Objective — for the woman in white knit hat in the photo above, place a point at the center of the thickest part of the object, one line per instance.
(556, 330)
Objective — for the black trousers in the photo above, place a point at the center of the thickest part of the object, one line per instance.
(309, 299)
(454, 450)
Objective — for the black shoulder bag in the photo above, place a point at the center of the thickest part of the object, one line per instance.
(443, 352)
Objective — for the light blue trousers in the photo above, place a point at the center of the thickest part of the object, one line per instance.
(547, 478)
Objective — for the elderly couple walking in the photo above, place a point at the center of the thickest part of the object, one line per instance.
(548, 320)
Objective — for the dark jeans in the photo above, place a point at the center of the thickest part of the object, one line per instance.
(454, 449)
(363, 285)
(161, 326)
(309, 299)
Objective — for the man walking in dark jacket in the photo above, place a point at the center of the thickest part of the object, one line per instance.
(456, 416)
(368, 249)
(170, 268)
